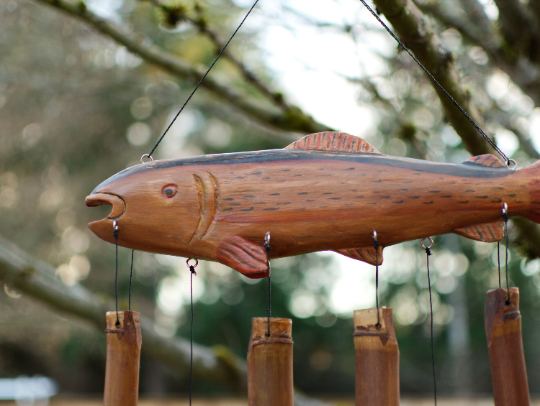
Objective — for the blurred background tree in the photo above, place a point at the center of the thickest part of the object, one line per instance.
(87, 87)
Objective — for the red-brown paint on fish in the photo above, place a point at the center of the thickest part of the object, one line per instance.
(328, 191)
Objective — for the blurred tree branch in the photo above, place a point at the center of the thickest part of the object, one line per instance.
(417, 34)
(284, 117)
(37, 279)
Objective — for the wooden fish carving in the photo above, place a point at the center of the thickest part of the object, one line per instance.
(327, 191)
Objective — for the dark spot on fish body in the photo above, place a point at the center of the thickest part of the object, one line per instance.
(272, 208)
(256, 173)
(470, 191)
(404, 189)
(359, 197)
(519, 201)
(327, 193)
(285, 170)
(250, 209)
(373, 203)
(235, 204)
(496, 200)
(511, 195)
(464, 201)
(297, 175)
(407, 181)
(280, 203)
(274, 194)
(266, 177)
(431, 202)
(302, 193)
(354, 190)
(302, 209)
(321, 169)
(350, 169)
(228, 198)
(232, 173)
(481, 197)
(385, 197)
(534, 202)
(259, 203)
(328, 175)
(417, 173)
(399, 201)
(383, 170)
(413, 197)
(239, 177)
(310, 200)
(434, 191)
(446, 196)
(228, 209)
(335, 198)
(249, 196)
(282, 180)
(499, 187)
(376, 181)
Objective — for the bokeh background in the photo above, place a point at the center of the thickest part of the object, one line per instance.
(77, 106)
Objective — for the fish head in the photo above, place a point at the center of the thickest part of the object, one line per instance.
(155, 207)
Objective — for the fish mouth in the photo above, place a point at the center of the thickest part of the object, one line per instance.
(103, 198)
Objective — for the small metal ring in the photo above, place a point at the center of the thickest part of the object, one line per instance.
(375, 238)
(505, 208)
(115, 225)
(511, 164)
(430, 242)
(146, 156)
(267, 238)
(196, 262)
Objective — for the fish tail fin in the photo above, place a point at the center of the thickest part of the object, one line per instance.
(533, 175)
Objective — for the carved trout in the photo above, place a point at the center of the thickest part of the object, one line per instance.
(327, 191)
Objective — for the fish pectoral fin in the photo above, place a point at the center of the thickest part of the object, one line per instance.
(366, 254)
(487, 232)
(243, 255)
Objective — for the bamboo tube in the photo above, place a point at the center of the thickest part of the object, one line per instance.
(377, 359)
(270, 363)
(123, 355)
(506, 358)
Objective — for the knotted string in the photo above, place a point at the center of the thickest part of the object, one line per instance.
(428, 253)
(115, 234)
(192, 271)
(269, 281)
(376, 246)
(505, 218)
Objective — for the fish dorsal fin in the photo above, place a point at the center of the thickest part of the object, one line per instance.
(487, 232)
(366, 254)
(484, 160)
(333, 141)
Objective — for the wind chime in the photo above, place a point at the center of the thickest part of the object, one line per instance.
(327, 191)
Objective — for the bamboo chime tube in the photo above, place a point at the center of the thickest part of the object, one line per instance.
(123, 355)
(506, 358)
(270, 363)
(377, 359)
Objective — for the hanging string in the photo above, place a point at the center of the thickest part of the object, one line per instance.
(130, 279)
(508, 161)
(115, 234)
(192, 270)
(269, 286)
(499, 262)
(376, 246)
(428, 253)
(200, 81)
(505, 218)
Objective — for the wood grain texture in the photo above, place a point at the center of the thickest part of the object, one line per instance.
(123, 354)
(270, 363)
(377, 359)
(329, 195)
(505, 345)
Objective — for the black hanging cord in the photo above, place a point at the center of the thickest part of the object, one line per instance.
(200, 81)
(130, 279)
(489, 140)
(499, 262)
(269, 281)
(376, 246)
(505, 218)
(115, 234)
(192, 271)
(428, 253)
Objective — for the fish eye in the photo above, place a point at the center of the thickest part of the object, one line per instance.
(170, 190)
